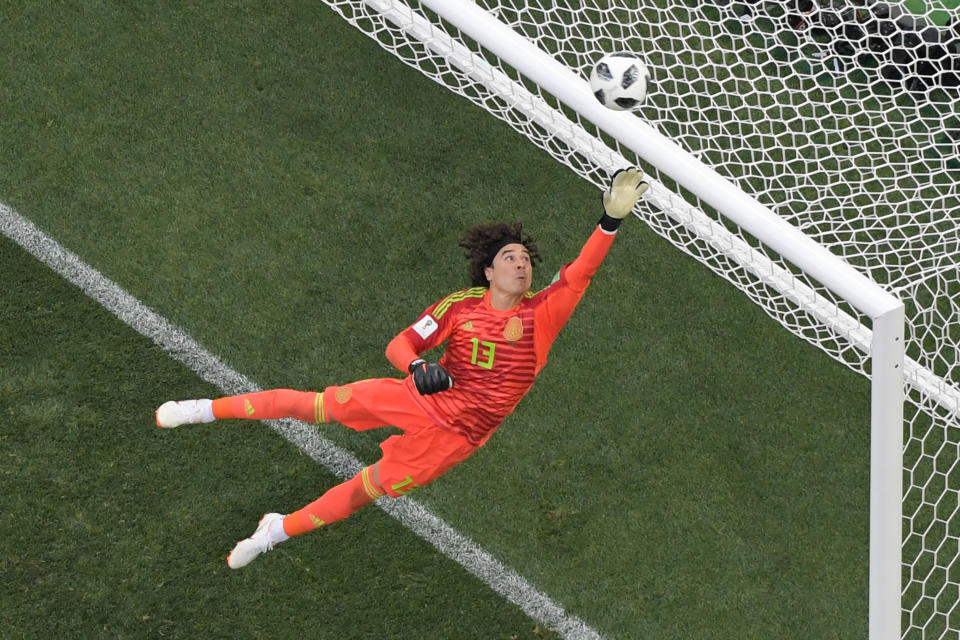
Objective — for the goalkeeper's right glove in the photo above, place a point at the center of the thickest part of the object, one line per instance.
(430, 378)
(625, 190)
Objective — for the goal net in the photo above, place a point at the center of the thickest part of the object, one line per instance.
(840, 117)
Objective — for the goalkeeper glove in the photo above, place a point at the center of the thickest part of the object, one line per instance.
(625, 190)
(430, 378)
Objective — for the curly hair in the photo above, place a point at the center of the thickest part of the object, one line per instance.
(480, 239)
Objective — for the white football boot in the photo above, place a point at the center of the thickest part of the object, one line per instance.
(260, 542)
(177, 412)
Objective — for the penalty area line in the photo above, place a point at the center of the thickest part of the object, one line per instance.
(410, 513)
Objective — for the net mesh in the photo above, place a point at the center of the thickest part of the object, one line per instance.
(839, 117)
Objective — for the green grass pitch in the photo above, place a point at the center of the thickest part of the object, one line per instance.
(291, 196)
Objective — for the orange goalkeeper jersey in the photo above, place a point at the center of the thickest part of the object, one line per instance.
(493, 355)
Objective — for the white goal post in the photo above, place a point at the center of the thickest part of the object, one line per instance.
(812, 291)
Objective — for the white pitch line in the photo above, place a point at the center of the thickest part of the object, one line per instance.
(410, 513)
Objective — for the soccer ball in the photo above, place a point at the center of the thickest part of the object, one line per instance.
(620, 81)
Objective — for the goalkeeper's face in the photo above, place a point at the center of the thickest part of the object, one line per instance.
(512, 270)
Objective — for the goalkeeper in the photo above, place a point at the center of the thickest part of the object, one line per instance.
(497, 336)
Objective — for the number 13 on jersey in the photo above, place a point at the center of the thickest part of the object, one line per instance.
(482, 353)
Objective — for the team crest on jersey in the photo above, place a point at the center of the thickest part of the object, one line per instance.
(514, 329)
(343, 394)
(467, 326)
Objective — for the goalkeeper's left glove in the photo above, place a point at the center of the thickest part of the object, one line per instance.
(430, 378)
(625, 190)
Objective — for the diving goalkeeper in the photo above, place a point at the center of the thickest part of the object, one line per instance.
(497, 333)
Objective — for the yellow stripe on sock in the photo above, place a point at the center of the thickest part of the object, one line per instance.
(368, 485)
(319, 415)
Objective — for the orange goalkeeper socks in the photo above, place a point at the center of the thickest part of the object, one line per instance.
(336, 504)
(276, 403)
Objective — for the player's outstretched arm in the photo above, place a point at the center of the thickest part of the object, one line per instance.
(619, 199)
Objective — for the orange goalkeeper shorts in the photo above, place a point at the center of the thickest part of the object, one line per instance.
(421, 455)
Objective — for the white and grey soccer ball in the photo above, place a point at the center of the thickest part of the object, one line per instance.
(620, 81)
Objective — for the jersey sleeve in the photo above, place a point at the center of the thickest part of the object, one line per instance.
(579, 272)
(563, 295)
(400, 352)
(430, 330)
